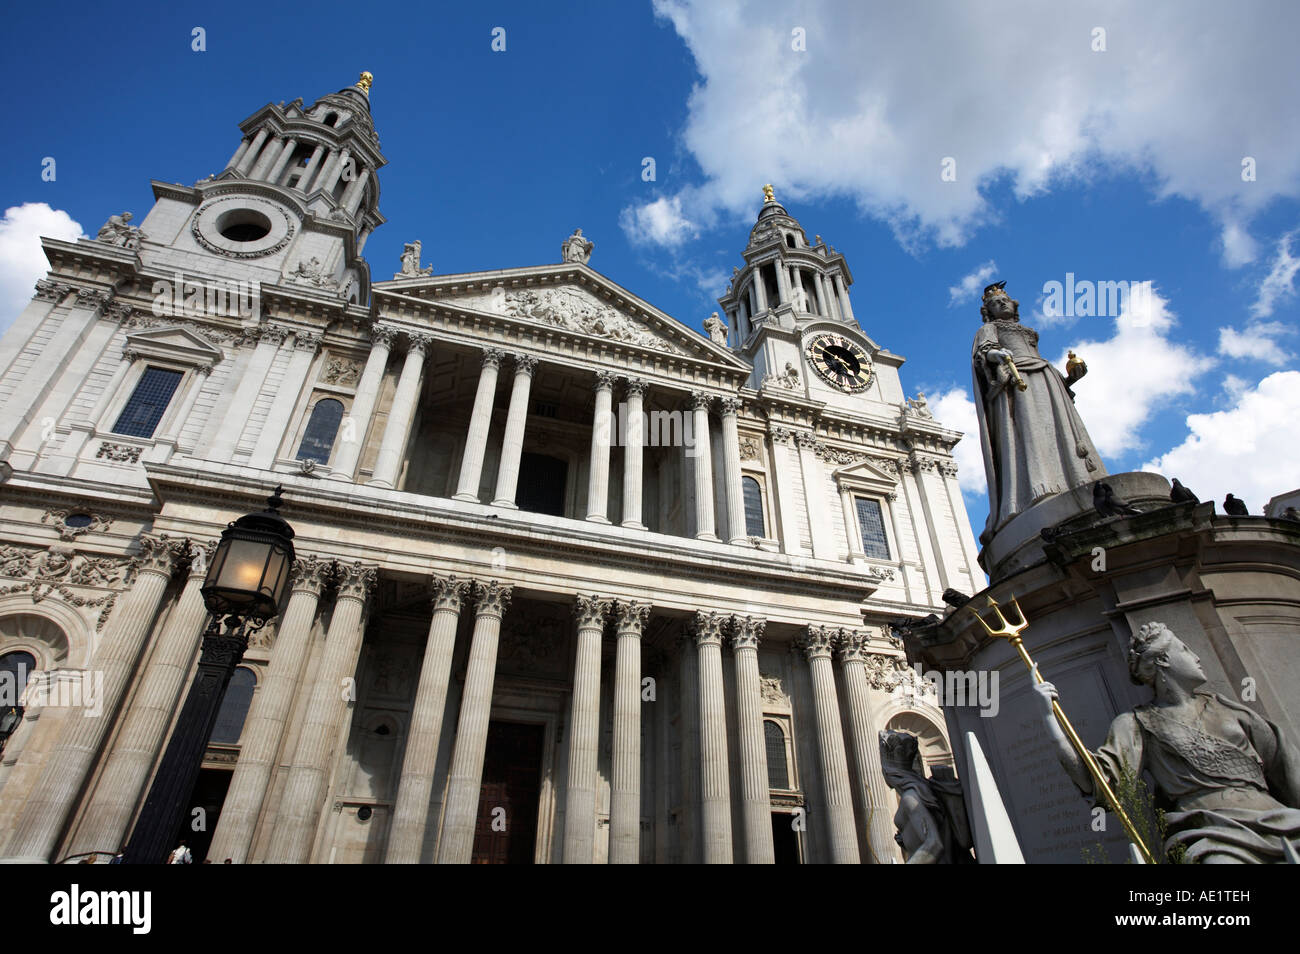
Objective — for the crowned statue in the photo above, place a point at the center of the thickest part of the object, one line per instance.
(1227, 778)
(1034, 442)
(931, 823)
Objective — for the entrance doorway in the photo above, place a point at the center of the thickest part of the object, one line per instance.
(785, 840)
(506, 832)
(541, 484)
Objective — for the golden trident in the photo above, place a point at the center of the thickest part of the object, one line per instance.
(1012, 632)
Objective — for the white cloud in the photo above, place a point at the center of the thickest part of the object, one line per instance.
(1277, 285)
(660, 222)
(1132, 373)
(955, 409)
(1246, 449)
(1011, 90)
(1257, 341)
(22, 261)
(975, 281)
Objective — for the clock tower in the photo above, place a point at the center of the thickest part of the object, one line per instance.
(789, 314)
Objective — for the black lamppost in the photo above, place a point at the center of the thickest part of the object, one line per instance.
(244, 588)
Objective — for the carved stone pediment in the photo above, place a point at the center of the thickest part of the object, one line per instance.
(574, 309)
(174, 341)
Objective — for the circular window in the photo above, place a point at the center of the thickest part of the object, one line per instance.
(77, 520)
(364, 813)
(243, 225)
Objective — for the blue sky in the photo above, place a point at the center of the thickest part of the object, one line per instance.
(1122, 163)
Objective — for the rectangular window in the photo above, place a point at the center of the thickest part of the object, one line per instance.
(147, 405)
(872, 524)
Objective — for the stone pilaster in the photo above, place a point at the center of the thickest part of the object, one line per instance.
(411, 808)
(268, 715)
(140, 741)
(53, 798)
(584, 733)
(625, 769)
(304, 790)
(715, 775)
(746, 631)
(471, 463)
(466, 775)
(873, 793)
(512, 444)
(393, 447)
(736, 530)
(818, 643)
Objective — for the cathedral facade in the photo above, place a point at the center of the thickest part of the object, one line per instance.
(575, 582)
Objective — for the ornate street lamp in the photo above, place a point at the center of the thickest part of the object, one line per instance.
(245, 587)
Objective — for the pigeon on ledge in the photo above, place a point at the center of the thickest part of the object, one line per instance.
(1234, 507)
(1180, 494)
(1107, 504)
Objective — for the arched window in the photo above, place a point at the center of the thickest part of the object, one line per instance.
(234, 707)
(318, 440)
(789, 239)
(778, 772)
(331, 119)
(753, 507)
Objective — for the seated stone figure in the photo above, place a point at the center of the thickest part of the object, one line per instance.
(931, 817)
(1227, 779)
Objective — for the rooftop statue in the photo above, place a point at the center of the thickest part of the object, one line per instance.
(1227, 778)
(1033, 439)
(576, 248)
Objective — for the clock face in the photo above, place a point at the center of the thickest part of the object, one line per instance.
(841, 363)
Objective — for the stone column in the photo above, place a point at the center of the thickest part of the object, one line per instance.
(736, 530)
(230, 426)
(250, 156)
(144, 730)
(760, 291)
(598, 473)
(460, 811)
(353, 439)
(309, 170)
(823, 308)
(814, 493)
(752, 294)
(842, 295)
(512, 445)
(715, 773)
(782, 281)
(332, 174)
(290, 144)
(264, 729)
(817, 643)
(54, 796)
(411, 807)
(400, 415)
(633, 452)
(584, 733)
(317, 170)
(269, 155)
(873, 793)
(239, 154)
(703, 458)
(756, 804)
(352, 194)
(798, 284)
(480, 421)
(625, 767)
(307, 783)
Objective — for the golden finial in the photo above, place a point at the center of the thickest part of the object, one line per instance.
(768, 195)
(364, 82)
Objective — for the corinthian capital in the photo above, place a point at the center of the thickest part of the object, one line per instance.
(524, 364)
(631, 617)
(818, 641)
(356, 580)
(448, 592)
(382, 335)
(492, 357)
(310, 574)
(201, 556)
(700, 400)
(747, 631)
(852, 645)
(159, 553)
(729, 405)
(493, 598)
(708, 627)
(590, 611)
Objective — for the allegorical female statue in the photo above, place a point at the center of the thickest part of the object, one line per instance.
(931, 819)
(1034, 442)
(1227, 779)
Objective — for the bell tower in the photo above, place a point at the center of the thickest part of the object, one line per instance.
(789, 314)
(294, 205)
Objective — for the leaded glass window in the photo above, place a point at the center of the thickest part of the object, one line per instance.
(872, 524)
(148, 403)
(753, 507)
(322, 428)
(778, 772)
